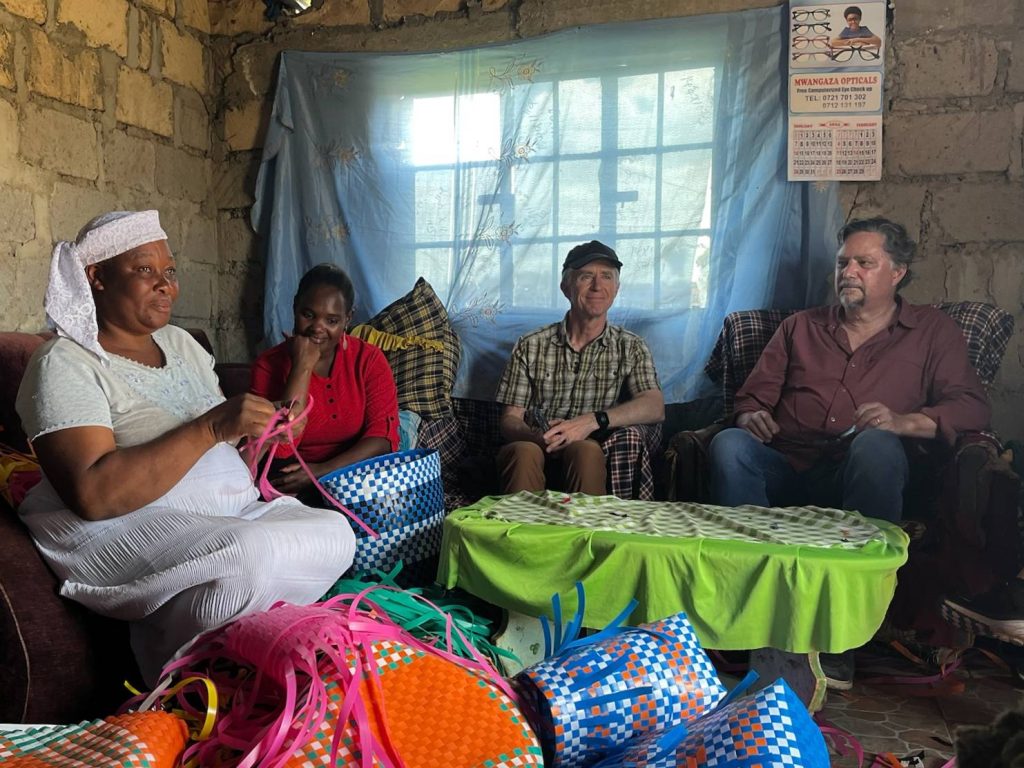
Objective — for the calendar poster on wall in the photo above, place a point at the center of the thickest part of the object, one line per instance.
(836, 74)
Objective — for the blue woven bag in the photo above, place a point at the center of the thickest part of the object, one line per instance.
(600, 691)
(400, 496)
(768, 729)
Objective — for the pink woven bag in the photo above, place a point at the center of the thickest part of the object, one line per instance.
(287, 677)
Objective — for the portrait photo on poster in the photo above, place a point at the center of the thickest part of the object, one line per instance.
(849, 35)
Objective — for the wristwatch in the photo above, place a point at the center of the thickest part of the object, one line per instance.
(602, 420)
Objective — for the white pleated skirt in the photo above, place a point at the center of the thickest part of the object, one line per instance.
(203, 554)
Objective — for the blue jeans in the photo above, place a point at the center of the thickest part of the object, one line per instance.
(870, 478)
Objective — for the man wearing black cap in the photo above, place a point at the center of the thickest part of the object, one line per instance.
(567, 380)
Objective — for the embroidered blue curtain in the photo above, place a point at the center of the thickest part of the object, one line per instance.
(479, 169)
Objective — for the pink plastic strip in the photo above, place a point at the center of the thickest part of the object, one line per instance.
(298, 663)
(844, 743)
(281, 426)
(915, 679)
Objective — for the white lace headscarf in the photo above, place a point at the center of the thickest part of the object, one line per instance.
(70, 308)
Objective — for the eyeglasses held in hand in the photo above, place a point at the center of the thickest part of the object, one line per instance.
(866, 52)
(812, 28)
(812, 14)
(836, 440)
(841, 440)
(536, 413)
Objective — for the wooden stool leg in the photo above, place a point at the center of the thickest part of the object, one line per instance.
(801, 671)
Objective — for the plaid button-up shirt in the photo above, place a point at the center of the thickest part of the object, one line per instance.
(545, 372)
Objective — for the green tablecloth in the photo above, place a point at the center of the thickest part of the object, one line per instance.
(797, 579)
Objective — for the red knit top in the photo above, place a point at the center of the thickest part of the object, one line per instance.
(357, 400)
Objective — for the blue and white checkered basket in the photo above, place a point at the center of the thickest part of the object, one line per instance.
(400, 496)
(584, 704)
(769, 729)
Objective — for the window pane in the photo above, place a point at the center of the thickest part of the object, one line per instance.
(535, 110)
(579, 116)
(579, 197)
(684, 187)
(637, 177)
(476, 187)
(435, 265)
(533, 275)
(637, 282)
(701, 271)
(684, 271)
(689, 106)
(638, 111)
(533, 187)
(441, 134)
(485, 275)
(433, 131)
(434, 205)
(479, 127)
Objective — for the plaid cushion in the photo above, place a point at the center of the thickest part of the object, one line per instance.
(447, 436)
(744, 335)
(630, 452)
(424, 377)
(987, 329)
(481, 424)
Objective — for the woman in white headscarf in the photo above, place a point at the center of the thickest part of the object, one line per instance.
(146, 512)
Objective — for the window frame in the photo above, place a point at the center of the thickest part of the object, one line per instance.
(608, 157)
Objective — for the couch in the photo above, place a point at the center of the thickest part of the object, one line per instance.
(962, 506)
(59, 663)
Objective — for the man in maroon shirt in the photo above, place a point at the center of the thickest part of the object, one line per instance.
(823, 416)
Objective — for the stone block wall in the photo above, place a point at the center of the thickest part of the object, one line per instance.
(106, 105)
(954, 127)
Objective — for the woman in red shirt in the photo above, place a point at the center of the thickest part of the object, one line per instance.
(355, 403)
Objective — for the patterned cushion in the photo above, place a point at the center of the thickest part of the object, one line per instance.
(987, 329)
(744, 335)
(481, 424)
(424, 377)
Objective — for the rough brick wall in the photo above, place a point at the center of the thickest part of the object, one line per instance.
(124, 81)
(954, 125)
(106, 105)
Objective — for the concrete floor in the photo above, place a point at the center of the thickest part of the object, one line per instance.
(909, 719)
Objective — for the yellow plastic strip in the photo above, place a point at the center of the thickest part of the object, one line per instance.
(389, 342)
(211, 704)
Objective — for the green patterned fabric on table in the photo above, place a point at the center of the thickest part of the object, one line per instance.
(797, 578)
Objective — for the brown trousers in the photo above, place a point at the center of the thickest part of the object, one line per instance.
(578, 468)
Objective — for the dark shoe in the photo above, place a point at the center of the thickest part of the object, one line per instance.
(998, 613)
(838, 669)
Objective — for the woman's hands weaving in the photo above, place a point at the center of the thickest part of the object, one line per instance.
(242, 416)
(88, 469)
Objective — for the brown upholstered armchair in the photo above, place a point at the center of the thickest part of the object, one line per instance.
(962, 508)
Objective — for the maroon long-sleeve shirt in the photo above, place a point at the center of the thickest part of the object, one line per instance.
(812, 383)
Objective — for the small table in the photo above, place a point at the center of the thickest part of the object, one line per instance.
(801, 580)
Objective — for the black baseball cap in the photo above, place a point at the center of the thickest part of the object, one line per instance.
(588, 252)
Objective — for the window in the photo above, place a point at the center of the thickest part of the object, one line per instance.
(480, 167)
(508, 180)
